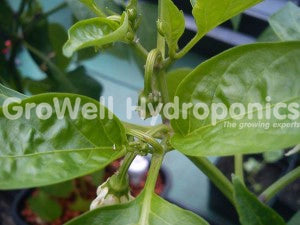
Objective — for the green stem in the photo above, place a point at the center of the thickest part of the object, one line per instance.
(156, 162)
(140, 49)
(161, 43)
(153, 57)
(238, 166)
(215, 175)
(271, 191)
(58, 75)
(150, 187)
(146, 138)
(125, 165)
(188, 47)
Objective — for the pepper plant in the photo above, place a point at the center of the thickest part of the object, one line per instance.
(36, 152)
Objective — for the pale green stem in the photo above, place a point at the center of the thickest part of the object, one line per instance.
(188, 47)
(238, 166)
(146, 138)
(125, 165)
(271, 191)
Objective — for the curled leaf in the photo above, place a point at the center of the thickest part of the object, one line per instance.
(95, 32)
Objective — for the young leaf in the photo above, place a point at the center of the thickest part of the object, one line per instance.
(174, 78)
(251, 211)
(40, 151)
(173, 24)
(141, 211)
(95, 32)
(210, 13)
(286, 22)
(246, 74)
(46, 208)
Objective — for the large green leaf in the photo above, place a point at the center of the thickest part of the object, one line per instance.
(174, 78)
(36, 152)
(173, 24)
(251, 211)
(286, 22)
(95, 32)
(210, 13)
(142, 211)
(246, 74)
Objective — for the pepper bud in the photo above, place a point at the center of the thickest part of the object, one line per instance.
(112, 192)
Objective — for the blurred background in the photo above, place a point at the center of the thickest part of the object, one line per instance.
(32, 33)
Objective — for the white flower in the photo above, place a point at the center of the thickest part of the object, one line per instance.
(107, 196)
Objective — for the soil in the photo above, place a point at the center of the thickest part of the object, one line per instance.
(88, 194)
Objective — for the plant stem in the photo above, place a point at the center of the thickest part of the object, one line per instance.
(140, 49)
(188, 47)
(146, 138)
(271, 191)
(125, 165)
(215, 175)
(58, 75)
(238, 166)
(162, 82)
(153, 172)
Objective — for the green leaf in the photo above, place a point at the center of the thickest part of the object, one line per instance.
(95, 32)
(79, 78)
(36, 152)
(286, 22)
(7, 92)
(46, 208)
(268, 35)
(57, 37)
(151, 210)
(245, 74)
(210, 13)
(148, 28)
(295, 219)
(61, 190)
(251, 211)
(173, 24)
(174, 78)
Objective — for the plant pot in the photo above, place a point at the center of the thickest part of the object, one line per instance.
(22, 197)
(268, 175)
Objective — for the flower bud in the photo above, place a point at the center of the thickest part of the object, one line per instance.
(110, 193)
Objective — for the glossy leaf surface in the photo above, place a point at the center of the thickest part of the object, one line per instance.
(209, 14)
(141, 211)
(174, 78)
(39, 152)
(286, 22)
(95, 32)
(251, 211)
(246, 74)
(173, 24)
